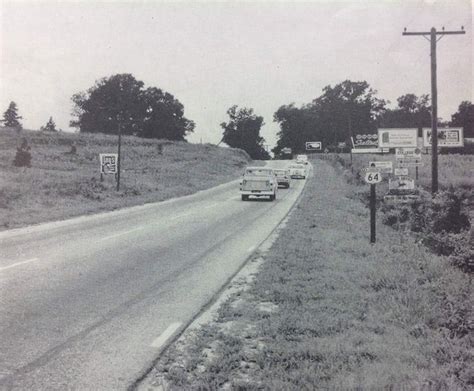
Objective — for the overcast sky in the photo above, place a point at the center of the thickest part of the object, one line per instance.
(213, 55)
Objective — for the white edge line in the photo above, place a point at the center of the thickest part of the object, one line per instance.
(160, 341)
(120, 234)
(18, 264)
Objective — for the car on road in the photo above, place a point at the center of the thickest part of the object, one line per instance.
(283, 177)
(297, 170)
(259, 182)
(302, 159)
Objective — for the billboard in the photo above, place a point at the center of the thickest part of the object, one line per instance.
(365, 140)
(398, 137)
(447, 137)
(314, 146)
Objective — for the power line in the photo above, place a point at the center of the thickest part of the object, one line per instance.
(432, 34)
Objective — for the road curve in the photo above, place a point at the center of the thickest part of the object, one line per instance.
(88, 303)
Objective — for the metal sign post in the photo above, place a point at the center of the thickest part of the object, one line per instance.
(372, 176)
(372, 213)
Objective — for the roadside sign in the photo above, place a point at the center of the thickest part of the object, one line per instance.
(286, 151)
(365, 140)
(397, 137)
(314, 146)
(409, 164)
(341, 144)
(108, 163)
(408, 153)
(384, 166)
(400, 198)
(401, 171)
(400, 184)
(372, 177)
(447, 137)
(370, 150)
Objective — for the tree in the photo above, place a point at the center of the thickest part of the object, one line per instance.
(464, 117)
(411, 112)
(50, 126)
(164, 116)
(342, 111)
(11, 117)
(121, 99)
(243, 131)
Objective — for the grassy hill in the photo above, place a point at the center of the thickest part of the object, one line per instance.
(61, 185)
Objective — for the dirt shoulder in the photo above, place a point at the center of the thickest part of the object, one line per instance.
(327, 310)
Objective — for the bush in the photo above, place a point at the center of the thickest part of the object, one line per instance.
(23, 155)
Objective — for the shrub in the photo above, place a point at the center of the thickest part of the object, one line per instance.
(23, 155)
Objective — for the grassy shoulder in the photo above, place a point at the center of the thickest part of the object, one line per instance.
(60, 184)
(327, 310)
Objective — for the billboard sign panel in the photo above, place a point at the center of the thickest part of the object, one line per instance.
(108, 163)
(365, 140)
(398, 137)
(370, 150)
(314, 146)
(447, 137)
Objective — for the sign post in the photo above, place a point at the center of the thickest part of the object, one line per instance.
(372, 213)
(372, 176)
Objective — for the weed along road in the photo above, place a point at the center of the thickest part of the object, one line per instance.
(89, 303)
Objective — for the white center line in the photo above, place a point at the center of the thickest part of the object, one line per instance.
(120, 233)
(160, 341)
(18, 264)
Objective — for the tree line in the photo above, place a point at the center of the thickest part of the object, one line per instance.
(122, 103)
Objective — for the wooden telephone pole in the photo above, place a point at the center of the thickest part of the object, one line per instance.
(434, 98)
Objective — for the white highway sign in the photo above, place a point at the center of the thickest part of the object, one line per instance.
(408, 153)
(373, 177)
(384, 166)
(401, 184)
(397, 137)
(401, 171)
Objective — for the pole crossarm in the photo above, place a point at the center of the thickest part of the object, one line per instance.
(437, 32)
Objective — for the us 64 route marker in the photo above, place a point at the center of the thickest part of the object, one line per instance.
(372, 176)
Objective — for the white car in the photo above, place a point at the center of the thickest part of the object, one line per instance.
(297, 170)
(259, 182)
(283, 177)
(302, 159)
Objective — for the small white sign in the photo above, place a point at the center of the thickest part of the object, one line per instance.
(398, 137)
(447, 137)
(286, 150)
(314, 146)
(384, 166)
(373, 177)
(370, 150)
(415, 163)
(408, 153)
(401, 171)
(400, 198)
(108, 163)
(401, 184)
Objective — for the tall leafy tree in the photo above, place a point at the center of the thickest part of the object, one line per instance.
(243, 131)
(464, 117)
(164, 116)
(122, 100)
(50, 126)
(342, 111)
(411, 112)
(11, 117)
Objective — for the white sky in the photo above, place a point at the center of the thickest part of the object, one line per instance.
(213, 55)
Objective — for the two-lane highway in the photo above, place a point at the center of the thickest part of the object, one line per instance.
(89, 303)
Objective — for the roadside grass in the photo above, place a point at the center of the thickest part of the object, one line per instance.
(454, 170)
(60, 185)
(328, 310)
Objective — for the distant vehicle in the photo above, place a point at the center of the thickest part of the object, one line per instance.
(259, 182)
(283, 177)
(303, 159)
(297, 170)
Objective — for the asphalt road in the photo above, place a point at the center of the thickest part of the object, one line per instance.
(88, 303)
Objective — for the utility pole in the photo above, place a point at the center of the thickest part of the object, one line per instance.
(118, 153)
(434, 97)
